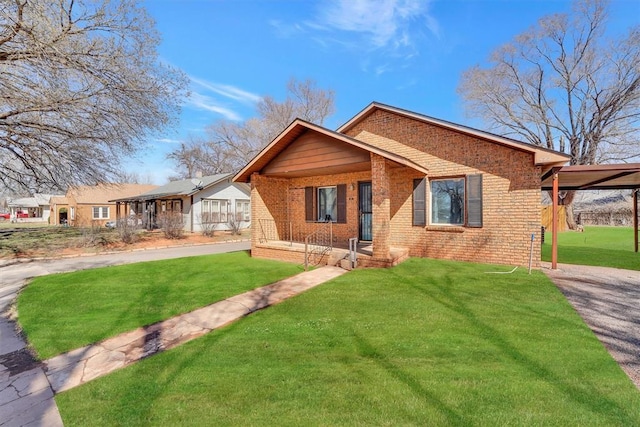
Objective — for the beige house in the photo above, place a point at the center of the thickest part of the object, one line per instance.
(88, 205)
(213, 202)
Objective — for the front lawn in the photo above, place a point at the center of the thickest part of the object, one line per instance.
(425, 343)
(62, 312)
(599, 246)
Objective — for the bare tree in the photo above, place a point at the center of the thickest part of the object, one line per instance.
(80, 87)
(230, 145)
(564, 85)
(128, 177)
(199, 155)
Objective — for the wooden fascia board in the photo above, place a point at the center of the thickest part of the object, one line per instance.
(245, 173)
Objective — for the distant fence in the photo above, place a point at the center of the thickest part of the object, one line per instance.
(547, 215)
(605, 218)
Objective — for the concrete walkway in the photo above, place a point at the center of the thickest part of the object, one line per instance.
(85, 364)
(26, 397)
(27, 386)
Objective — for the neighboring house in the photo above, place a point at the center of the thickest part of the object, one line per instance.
(30, 209)
(90, 205)
(404, 183)
(213, 202)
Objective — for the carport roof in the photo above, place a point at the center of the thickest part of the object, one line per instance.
(594, 177)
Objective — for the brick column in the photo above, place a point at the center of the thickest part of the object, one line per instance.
(380, 188)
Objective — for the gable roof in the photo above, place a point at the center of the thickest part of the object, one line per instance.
(542, 156)
(103, 193)
(297, 128)
(183, 187)
(38, 199)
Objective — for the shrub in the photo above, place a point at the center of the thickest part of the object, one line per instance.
(127, 230)
(234, 226)
(172, 224)
(207, 225)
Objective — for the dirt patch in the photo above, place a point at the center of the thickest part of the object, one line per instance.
(56, 243)
(608, 300)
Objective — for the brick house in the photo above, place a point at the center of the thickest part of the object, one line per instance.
(404, 184)
(90, 205)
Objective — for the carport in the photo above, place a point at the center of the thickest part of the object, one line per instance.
(591, 177)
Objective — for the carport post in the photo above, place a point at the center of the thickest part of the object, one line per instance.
(635, 219)
(554, 224)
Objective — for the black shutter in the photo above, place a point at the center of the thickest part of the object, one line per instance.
(342, 203)
(419, 202)
(474, 200)
(309, 214)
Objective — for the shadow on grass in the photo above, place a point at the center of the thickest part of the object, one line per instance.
(444, 296)
(367, 351)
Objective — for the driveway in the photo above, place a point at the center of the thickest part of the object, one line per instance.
(608, 299)
(26, 397)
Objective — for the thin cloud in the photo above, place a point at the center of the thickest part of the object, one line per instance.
(204, 102)
(228, 91)
(168, 141)
(386, 23)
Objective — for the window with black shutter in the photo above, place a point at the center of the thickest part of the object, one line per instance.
(474, 200)
(309, 209)
(326, 203)
(342, 204)
(419, 202)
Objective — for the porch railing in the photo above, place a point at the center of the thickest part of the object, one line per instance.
(288, 231)
(316, 236)
(318, 244)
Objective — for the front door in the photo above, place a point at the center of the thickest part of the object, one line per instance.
(365, 208)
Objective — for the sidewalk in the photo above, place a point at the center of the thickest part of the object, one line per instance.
(26, 397)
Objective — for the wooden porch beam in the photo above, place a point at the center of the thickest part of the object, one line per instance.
(635, 219)
(554, 224)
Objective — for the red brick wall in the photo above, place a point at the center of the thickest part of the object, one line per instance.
(511, 193)
(283, 201)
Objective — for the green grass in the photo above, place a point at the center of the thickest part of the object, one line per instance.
(62, 312)
(425, 343)
(599, 246)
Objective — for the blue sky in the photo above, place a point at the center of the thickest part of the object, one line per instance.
(406, 53)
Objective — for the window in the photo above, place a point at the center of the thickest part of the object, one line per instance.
(243, 210)
(100, 212)
(72, 212)
(214, 210)
(322, 201)
(457, 201)
(327, 204)
(177, 206)
(447, 201)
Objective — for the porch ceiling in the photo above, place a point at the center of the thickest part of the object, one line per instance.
(594, 177)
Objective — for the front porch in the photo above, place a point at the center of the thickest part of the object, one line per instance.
(316, 244)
